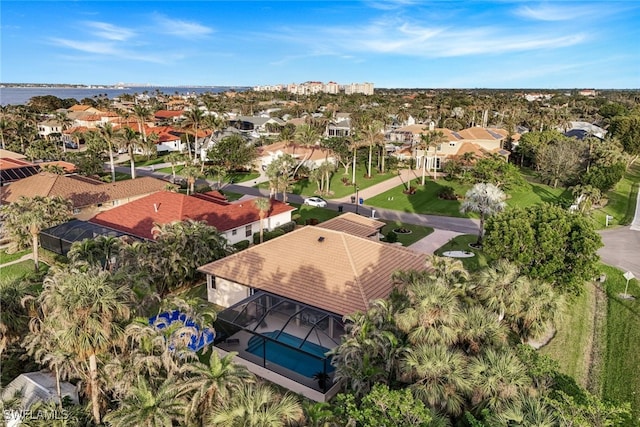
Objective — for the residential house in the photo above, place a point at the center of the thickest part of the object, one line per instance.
(14, 167)
(582, 130)
(167, 117)
(286, 300)
(476, 139)
(339, 127)
(257, 126)
(48, 127)
(36, 387)
(314, 156)
(356, 225)
(88, 196)
(237, 220)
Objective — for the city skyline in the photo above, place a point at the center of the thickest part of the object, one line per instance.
(393, 44)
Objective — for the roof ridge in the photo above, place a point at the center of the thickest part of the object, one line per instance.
(355, 271)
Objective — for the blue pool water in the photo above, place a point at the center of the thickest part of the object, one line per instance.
(289, 358)
(197, 341)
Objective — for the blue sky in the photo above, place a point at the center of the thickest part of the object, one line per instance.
(401, 43)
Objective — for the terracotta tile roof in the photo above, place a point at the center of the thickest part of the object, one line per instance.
(327, 269)
(295, 150)
(82, 191)
(68, 167)
(353, 224)
(79, 107)
(163, 207)
(12, 163)
(6, 154)
(167, 114)
(483, 133)
(423, 129)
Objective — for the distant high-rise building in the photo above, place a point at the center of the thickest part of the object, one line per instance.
(313, 87)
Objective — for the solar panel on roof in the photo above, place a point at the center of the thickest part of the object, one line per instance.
(456, 134)
(494, 134)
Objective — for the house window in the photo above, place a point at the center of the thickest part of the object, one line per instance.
(115, 203)
(247, 231)
(234, 232)
(211, 280)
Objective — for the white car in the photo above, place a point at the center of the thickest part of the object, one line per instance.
(316, 201)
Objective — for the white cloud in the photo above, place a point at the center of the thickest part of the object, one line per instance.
(109, 49)
(110, 32)
(566, 12)
(179, 28)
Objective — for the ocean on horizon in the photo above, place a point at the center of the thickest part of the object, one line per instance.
(22, 95)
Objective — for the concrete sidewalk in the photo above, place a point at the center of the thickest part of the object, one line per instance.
(403, 177)
(15, 261)
(434, 241)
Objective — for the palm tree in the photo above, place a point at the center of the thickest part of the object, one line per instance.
(5, 127)
(497, 287)
(307, 136)
(130, 140)
(263, 205)
(174, 158)
(14, 317)
(142, 114)
(257, 406)
(27, 217)
(191, 173)
(193, 119)
(432, 138)
(528, 411)
(486, 200)
(438, 375)
(372, 136)
(208, 385)
(87, 312)
(65, 123)
(148, 407)
(499, 378)
(481, 329)
(110, 135)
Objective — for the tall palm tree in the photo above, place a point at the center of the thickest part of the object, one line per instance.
(5, 126)
(146, 406)
(193, 119)
(372, 136)
(65, 123)
(257, 406)
(191, 173)
(486, 200)
(130, 140)
(263, 205)
(430, 139)
(110, 136)
(497, 287)
(25, 218)
(208, 385)
(306, 136)
(87, 312)
(14, 317)
(174, 158)
(142, 115)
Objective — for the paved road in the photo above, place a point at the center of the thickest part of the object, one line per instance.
(459, 225)
(621, 249)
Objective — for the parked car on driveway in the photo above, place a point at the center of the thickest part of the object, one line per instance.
(70, 144)
(316, 201)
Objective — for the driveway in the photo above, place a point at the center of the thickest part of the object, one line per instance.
(621, 249)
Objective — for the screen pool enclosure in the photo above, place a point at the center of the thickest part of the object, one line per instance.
(283, 335)
(59, 238)
(186, 329)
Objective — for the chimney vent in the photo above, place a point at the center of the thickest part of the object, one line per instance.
(155, 207)
(321, 239)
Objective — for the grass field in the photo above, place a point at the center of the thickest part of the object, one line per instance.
(622, 200)
(20, 269)
(307, 212)
(338, 188)
(5, 257)
(417, 231)
(572, 343)
(461, 243)
(621, 364)
(426, 201)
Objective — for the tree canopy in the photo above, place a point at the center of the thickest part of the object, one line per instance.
(546, 242)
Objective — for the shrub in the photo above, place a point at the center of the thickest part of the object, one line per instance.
(345, 180)
(268, 235)
(447, 193)
(391, 237)
(243, 244)
(288, 227)
(202, 188)
(296, 218)
(312, 221)
(411, 190)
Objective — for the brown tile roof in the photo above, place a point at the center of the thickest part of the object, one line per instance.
(423, 129)
(79, 107)
(167, 114)
(483, 133)
(6, 154)
(297, 151)
(327, 269)
(13, 163)
(68, 167)
(353, 224)
(163, 207)
(82, 191)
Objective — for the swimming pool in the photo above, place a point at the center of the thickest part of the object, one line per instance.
(287, 357)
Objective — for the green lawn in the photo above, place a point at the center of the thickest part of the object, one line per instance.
(235, 176)
(178, 169)
(338, 188)
(417, 231)
(571, 345)
(5, 257)
(622, 200)
(461, 243)
(621, 373)
(20, 269)
(231, 196)
(307, 212)
(426, 201)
